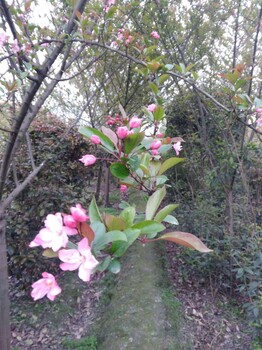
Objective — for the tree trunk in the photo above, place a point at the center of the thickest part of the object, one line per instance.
(229, 212)
(98, 184)
(5, 332)
(107, 187)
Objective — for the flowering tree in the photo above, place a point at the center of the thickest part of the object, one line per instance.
(139, 162)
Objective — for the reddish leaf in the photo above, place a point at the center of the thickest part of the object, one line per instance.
(186, 239)
(87, 232)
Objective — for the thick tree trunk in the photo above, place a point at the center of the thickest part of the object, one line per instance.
(5, 333)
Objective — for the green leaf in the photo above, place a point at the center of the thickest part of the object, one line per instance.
(128, 215)
(149, 227)
(49, 253)
(163, 78)
(114, 266)
(119, 248)
(171, 220)
(134, 162)
(195, 75)
(110, 134)
(160, 180)
(114, 223)
(111, 12)
(105, 141)
(169, 163)
(154, 202)
(154, 168)
(102, 241)
(133, 140)
(103, 265)
(154, 88)
(119, 170)
(240, 83)
(93, 212)
(159, 113)
(160, 216)
(188, 68)
(186, 239)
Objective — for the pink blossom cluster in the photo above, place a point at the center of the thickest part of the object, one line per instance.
(108, 4)
(124, 36)
(155, 35)
(55, 236)
(15, 48)
(156, 144)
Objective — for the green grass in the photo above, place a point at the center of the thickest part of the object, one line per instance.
(87, 343)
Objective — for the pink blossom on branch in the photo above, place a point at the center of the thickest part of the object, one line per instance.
(54, 235)
(155, 35)
(69, 221)
(45, 286)
(123, 188)
(95, 139)
(15, 46)
(3, 38)
(135, 122)
(156, 144)
(88, 159)
(122, 132)
(81, 259)
(79, 213)
(177, 147)
(151, 107)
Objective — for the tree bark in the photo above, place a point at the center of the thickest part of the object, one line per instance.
(5, 333)
(229, 212)
(98, 184)
(107, 187)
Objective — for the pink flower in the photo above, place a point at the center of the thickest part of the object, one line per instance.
(135, 122)
(81, 259)
(177, 147)
(54, 235)
(159, 135)
(15, 46)
(155, 152)
(88, 159)
(122, 132)
(155, 35)
(123, 188)
(3, 38)
(79, 213)
(69, 221)
(156, 144)
(151, 107)
(45, 286)
(120, 36)
(95, 139)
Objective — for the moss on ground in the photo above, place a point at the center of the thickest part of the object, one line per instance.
(141, 311)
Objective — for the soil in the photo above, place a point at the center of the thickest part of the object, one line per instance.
(215, 321)
(211, 322)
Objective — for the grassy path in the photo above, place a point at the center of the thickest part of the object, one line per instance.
(142, 312)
